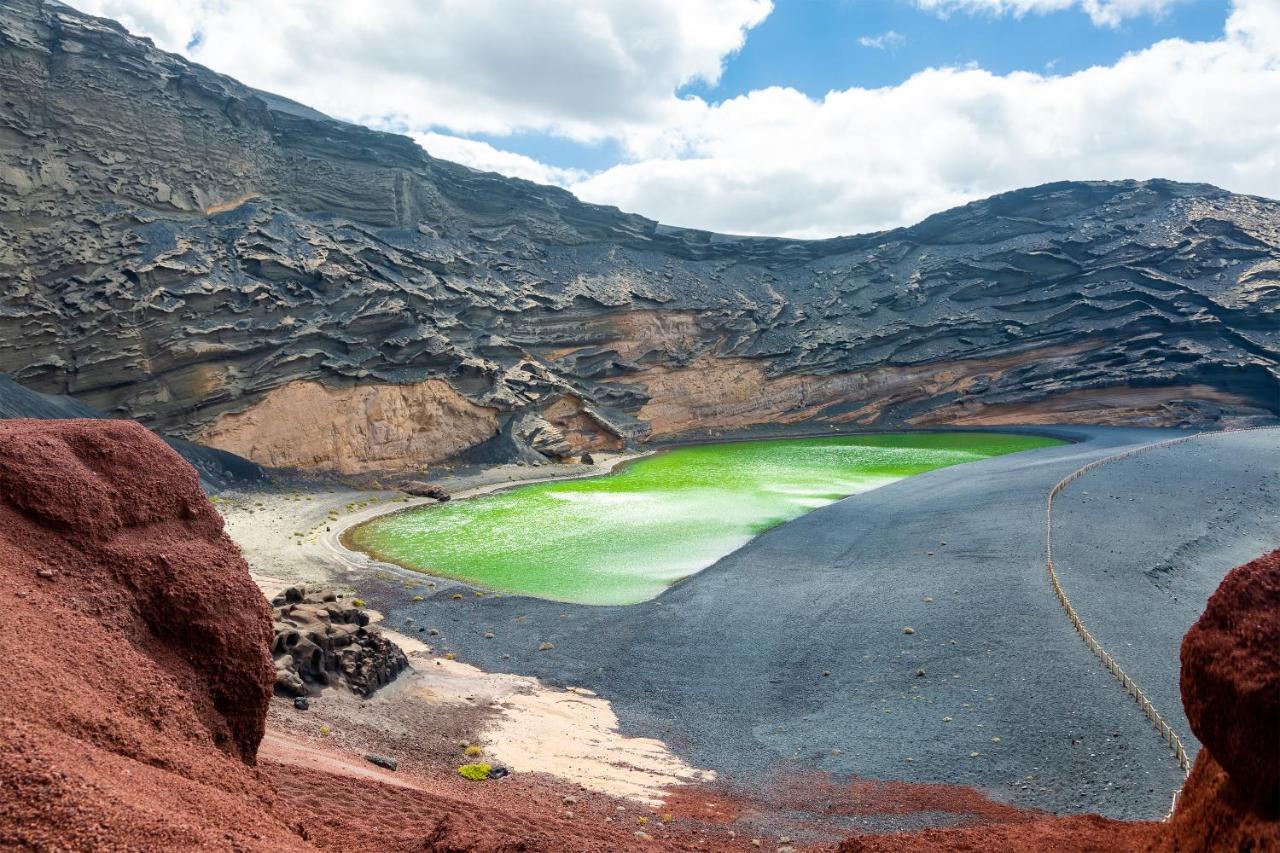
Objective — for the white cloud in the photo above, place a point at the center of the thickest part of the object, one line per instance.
(581, 68)
(887, 40)
(777, 161)
(486, 158)
(773, 161)
(1104, 13)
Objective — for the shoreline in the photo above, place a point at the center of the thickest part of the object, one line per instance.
(335, 540)
(569, 735)
(715, 620)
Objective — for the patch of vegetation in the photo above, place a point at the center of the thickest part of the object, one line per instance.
(473, 750)
(474, 772)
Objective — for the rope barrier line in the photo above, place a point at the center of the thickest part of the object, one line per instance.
(1131, 686)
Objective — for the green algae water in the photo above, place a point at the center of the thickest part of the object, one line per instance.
(624, 537)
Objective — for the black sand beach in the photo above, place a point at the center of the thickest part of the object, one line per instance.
(791, 654)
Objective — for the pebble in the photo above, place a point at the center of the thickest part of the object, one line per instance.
(546, 647)
(908, 630)
(301, 703)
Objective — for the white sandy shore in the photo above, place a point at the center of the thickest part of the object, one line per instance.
(570, 734)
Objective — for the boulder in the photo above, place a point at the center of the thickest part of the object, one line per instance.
(320, 641)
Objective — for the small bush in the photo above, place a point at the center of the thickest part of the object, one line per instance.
(473, 750)
(474, 772)
(418, 598)
(357, 602)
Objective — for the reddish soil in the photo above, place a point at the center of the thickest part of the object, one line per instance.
(136, 666)
(1231, 690)
(138, 679)
(1231, 676)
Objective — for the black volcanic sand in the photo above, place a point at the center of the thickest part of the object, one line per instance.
(731, 667)
(1141, 543)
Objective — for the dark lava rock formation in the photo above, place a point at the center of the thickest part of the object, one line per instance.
(137, 674)
(228, 267)
(319, 641)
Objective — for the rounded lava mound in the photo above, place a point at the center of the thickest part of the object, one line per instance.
(1231, 690)
(137, 675)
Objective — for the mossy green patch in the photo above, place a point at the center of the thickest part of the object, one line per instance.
(475, 772)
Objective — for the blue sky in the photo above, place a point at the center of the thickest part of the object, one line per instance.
(803, 118)
(813, 46)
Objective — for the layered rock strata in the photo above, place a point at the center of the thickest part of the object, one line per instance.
(228, 266)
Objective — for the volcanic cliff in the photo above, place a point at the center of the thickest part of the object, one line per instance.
(231, 267)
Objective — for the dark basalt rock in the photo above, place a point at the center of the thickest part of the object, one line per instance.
(252, 243)
(320, 641)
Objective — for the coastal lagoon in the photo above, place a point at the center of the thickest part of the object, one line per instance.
(624, 537)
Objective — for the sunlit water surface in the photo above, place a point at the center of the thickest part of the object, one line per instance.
(623, 538)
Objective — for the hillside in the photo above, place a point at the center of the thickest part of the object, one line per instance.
(232, 269)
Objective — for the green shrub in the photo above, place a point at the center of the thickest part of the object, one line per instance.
(474, 772)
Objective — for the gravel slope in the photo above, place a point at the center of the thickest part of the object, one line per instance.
(728, 667)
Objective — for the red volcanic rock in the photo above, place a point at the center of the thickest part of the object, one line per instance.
(1231, 678)
(1215, 813)
(137, 671)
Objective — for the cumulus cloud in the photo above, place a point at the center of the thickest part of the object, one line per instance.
(1104, 13)
(580, 68)
(887, 40)
(774, 160)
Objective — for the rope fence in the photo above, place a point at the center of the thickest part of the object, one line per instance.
(1131, 686)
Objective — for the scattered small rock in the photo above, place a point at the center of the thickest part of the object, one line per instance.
(47, 574)
(301, 703)
(908, 630)
(546, 647)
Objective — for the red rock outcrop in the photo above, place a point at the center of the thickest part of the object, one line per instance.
(137, 675)
(1231, 690)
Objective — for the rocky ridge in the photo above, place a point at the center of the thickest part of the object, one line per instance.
(217, 262)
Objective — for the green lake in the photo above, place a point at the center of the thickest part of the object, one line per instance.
(624, 537)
